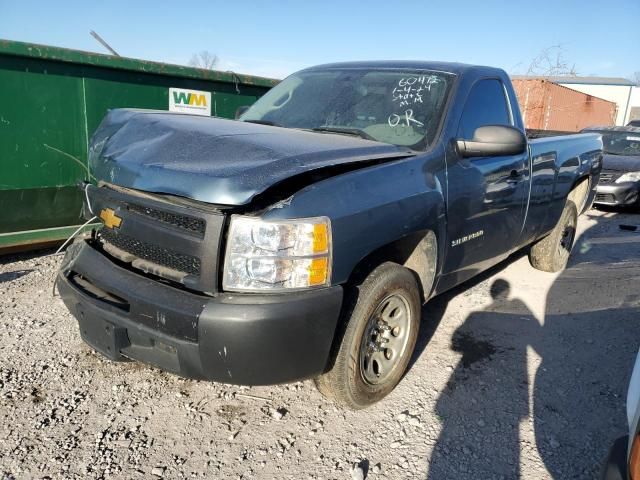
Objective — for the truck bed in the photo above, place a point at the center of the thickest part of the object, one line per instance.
(534, 133)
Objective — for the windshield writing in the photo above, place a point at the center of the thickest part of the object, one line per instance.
(397, 107)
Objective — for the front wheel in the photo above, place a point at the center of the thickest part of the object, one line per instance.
(381, 328)
(551, 254)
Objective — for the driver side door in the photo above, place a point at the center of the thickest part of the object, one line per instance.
(487, 195)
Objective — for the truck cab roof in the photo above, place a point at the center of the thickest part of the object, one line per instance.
(449, 67)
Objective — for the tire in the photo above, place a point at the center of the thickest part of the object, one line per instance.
(580, 194)
(551, 254)
(386, 305)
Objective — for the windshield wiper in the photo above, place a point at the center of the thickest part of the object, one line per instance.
(262, 122)
(341, 130)
(345, 131)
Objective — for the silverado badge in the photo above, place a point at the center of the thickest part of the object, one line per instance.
(110, 219)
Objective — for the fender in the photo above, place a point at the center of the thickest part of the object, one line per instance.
(368, 210)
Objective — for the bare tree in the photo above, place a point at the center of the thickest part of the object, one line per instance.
(635, 78)
(551, 62)
(205, 59)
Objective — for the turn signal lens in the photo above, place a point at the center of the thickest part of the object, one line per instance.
(320, 238)
(318, 271)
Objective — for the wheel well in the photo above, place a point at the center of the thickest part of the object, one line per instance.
(417, 252)
(580, 193)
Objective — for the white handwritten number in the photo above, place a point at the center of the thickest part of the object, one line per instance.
(411, 89)
(409, 92)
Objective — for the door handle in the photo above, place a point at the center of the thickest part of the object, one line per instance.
(514, 177)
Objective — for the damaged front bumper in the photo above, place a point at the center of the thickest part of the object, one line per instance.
(245, 339)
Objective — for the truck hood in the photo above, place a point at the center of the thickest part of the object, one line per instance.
(214, 160)
(623, 163)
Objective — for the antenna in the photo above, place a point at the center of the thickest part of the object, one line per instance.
(104, 43)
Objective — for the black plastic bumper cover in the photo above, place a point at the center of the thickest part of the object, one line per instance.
(244, 339)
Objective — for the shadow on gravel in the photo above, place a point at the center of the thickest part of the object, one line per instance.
(7, 257)
(591, 337)
(587, 344)
(9, 276)
(487, 394)
(433, 311)
(618, 209)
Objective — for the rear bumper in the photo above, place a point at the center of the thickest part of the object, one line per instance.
(232, 338)
(618, 194)
(615, 467)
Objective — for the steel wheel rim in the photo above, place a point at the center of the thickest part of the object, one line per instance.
(566, 240)
(385, 339)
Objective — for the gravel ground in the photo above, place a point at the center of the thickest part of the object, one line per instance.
(517, 374)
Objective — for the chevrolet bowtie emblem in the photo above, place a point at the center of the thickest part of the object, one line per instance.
(110, 219)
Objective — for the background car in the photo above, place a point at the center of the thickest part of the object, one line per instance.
(620, 177)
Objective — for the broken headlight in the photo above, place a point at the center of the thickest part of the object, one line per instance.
(277, 255)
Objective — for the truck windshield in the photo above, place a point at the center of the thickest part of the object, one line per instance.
(619, 143)
(400, 107)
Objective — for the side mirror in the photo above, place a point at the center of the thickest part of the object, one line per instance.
(240, 111)
(493, 140)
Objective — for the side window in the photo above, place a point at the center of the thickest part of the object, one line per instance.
(486, 105)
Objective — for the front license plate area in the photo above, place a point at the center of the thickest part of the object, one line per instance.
(103, 336)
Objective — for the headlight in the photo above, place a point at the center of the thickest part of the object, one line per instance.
(277, 255)
(629, 177)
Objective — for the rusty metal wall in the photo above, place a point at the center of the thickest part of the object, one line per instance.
(548, 106)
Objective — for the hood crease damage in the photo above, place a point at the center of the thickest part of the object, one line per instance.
(223, 162)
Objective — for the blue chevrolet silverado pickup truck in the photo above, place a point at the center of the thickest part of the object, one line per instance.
(302, 240)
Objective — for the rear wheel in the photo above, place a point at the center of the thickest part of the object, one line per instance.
(551, 254)
(381, 328)
(580, 194)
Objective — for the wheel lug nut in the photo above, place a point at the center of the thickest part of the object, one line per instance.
(388, 354)
(395, 332)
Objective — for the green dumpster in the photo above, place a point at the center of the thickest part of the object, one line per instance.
(52, 99)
